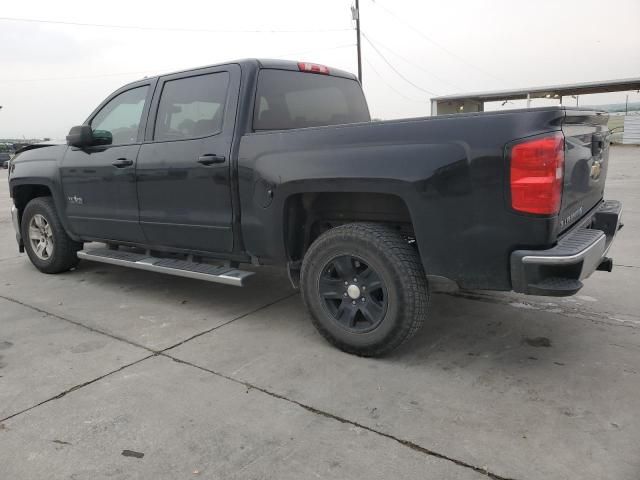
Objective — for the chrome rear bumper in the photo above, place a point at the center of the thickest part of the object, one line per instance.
(558, 271)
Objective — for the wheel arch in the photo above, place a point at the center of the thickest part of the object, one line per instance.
(24, 190)
(309, 214)
(24, 193)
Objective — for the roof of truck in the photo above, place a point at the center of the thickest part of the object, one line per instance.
(261, 63)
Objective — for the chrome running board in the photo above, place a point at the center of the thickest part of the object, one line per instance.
(170, 266)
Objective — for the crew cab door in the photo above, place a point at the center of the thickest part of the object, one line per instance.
(99, 182)
(183, 171)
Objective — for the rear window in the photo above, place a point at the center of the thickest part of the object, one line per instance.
(287, 99)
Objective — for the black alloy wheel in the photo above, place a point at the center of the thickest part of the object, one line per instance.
(353, 293)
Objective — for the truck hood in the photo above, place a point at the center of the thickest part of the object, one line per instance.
(48, 143)
(45, 152)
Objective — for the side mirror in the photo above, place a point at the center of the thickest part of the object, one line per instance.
(80, 136)
(102, 137)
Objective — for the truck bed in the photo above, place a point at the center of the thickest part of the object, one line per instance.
(450, 171)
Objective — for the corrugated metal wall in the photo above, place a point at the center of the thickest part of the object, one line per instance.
(631, 135)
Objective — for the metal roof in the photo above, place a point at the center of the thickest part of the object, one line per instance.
(604, 86)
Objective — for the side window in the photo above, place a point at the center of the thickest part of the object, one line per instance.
(191, 107)
(120, 118)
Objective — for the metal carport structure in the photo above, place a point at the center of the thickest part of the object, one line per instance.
(474, 102)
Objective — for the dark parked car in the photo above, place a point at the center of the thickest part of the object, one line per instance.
(274, 162)
(5, 155)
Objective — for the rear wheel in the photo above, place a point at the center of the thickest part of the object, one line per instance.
(365, 288)
(48, 246)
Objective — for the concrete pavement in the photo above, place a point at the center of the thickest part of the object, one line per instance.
(113, 373)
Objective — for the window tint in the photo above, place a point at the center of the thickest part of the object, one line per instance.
(287, 99)
(191, 107)
(121, 116)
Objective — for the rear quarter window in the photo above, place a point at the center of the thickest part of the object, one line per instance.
(288, 99)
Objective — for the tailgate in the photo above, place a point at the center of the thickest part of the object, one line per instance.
(586, 162)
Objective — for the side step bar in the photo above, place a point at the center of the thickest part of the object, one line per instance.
(180, 268)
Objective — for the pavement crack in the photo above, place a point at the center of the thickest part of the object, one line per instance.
(61, 442)
(132, 343)
(239, 317)
(316, 411)
(78, 324)
(77, 387)
(152, 352)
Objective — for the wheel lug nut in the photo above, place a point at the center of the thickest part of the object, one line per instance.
(354, 302)
(346, 283)
(355, 279)
(363, 299)
(364, 288)
(344, 294)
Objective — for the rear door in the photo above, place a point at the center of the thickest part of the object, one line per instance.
(586, 163)
(183, 173)
(99, 181)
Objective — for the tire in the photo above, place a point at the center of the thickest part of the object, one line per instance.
(60, 254)
(398, 294)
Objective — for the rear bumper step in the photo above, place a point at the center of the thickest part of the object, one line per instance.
(558, 271)
(170, 266)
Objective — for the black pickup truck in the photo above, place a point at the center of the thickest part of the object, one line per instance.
(275, 162)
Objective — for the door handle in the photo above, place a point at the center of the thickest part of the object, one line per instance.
(210, 159)
(122, 162)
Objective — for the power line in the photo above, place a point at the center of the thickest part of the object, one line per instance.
(415, 64)
(337, 47)
(171, 29)
(394, 68)
(391, 87)
(151, 71)
(437, 44)
(83, 77)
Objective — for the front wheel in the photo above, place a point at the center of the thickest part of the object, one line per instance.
(365, 288)
(47, 244)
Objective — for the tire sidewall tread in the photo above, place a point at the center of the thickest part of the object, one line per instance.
(395, 260)
(64, 248)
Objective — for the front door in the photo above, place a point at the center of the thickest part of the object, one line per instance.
(99, 181)
(183, 170)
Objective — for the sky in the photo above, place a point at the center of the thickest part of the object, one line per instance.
(52, 75)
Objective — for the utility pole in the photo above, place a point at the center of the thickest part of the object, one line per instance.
(355, 13)
(626, 105)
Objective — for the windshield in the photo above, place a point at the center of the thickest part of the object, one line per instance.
(287, 99)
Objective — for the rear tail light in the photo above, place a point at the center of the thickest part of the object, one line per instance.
(313, 68)
(537, 171)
